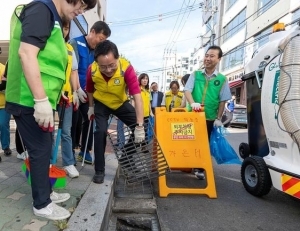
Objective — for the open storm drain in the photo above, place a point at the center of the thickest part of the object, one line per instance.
(137, 222)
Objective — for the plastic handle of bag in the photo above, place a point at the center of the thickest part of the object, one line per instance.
(179, 110)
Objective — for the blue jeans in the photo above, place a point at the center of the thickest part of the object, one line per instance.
(66, 139)
(4, 128)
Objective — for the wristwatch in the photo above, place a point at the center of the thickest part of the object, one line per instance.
(139, 124)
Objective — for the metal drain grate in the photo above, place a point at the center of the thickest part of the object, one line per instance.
(139, 162)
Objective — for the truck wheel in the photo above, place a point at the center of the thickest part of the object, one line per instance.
(244, 150)
(255, 176)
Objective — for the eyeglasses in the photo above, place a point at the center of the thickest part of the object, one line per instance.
(83, 6)
(108, 67)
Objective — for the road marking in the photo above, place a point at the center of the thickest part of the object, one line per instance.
(229, 178)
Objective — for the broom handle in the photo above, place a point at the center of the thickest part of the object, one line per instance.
(23, 146)
(86, 142)
(58, 135)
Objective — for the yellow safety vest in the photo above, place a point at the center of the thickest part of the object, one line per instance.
(2, 93)
(111, 93)
(67, 86)
(146, 97)
(177, 99)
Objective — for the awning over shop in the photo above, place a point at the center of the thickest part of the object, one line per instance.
(235, 83)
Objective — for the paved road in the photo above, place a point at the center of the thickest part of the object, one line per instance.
(234, 209)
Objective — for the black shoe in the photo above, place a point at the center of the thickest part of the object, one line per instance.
(7, 151)
(98, 177)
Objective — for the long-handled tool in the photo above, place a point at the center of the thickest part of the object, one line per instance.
(57, 176)
(86, 142)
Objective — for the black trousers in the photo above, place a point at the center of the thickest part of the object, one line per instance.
(209, 127)
(18, 142)
(39, 147)
(126, 113)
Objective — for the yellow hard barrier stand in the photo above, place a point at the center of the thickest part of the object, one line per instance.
(184, 142)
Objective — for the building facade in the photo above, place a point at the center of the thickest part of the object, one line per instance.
(243, 27)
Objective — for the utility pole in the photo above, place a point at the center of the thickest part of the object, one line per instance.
(214, 9)
(175, 65)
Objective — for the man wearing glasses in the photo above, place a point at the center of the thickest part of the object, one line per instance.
(84, 49)
(107, 80)
(36, 74)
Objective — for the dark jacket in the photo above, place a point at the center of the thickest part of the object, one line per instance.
(159, 98)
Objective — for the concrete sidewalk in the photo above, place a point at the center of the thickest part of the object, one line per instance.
(88, 202)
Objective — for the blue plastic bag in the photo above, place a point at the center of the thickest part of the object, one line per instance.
(220, 149)
(150, 128)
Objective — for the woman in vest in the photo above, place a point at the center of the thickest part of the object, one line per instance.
(69, 96)
(173, 98)
(146, 96)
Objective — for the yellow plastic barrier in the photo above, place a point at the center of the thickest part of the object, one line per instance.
(184, 142)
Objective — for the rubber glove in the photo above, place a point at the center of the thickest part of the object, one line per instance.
(218, 123)
(139, 134)
(43, 114)
(196, 107)
(65, 99)
(91, 114)
(75, 101)
(82, 95)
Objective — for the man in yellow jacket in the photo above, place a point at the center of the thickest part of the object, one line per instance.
(4, 116)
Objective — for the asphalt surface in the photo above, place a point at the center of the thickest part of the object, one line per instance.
(233, 210)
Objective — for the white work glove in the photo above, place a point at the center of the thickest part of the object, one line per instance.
(75, 101)
(82, 95)
(43, 114)
(139, 134)
(91, 114)
(218, 123)
(196, 107)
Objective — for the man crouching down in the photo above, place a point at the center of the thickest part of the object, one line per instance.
(108, 77)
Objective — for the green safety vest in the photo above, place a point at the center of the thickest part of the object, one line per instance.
(207, 92)
(52, 62)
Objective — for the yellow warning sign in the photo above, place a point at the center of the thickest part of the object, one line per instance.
(183, 131)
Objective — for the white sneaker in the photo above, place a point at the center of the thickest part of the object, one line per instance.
(71, 171)
(59, 197)
(21, 156)
(52, 212)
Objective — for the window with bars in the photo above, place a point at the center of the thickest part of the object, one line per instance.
(235, 25)
(296, 14)
(230, 3)
(233, 58)
(264, 5)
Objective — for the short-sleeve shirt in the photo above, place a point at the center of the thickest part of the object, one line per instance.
(33, 31)
(224, 94)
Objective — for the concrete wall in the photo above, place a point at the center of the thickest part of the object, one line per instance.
(255, 23)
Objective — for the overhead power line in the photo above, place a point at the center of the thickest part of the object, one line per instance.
(169, 40)
(158, 17)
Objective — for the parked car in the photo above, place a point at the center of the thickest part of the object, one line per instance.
(239, 118)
